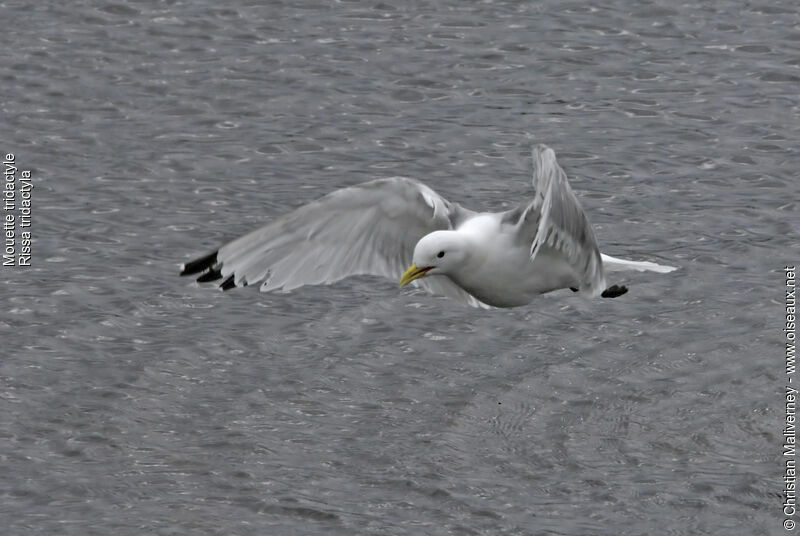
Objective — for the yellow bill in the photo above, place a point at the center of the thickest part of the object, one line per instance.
(412, 274)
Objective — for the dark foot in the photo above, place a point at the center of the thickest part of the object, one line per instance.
(614, 291)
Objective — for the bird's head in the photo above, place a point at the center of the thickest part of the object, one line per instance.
(439, 252)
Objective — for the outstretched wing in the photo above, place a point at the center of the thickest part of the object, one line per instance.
(370, 228)
(555, 219)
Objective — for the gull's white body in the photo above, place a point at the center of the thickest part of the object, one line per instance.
(497, 258)
(501, 259)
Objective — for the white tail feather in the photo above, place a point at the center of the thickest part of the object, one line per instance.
(613, 264)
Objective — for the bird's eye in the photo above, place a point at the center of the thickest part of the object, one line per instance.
(440, 254)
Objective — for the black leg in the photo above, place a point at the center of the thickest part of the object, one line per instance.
(614, 291)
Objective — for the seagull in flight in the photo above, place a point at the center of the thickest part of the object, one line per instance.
(401, 229)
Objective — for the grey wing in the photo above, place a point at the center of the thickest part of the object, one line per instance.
(555, 219)
(370, 228)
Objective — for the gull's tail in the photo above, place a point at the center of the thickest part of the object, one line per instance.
(613, 264)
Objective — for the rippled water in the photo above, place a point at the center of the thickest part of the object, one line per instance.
(135, 402)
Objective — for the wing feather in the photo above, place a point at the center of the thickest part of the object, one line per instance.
(555, 219)
(370, 228)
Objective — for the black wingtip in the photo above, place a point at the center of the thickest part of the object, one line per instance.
(212, 275)
(210, 269)
(228, 283)
(198, 265)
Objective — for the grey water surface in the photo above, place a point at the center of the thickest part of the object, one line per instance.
(136, 402)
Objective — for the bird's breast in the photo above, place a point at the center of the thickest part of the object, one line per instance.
(511, 279)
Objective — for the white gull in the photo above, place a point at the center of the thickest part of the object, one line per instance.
(502, 259)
